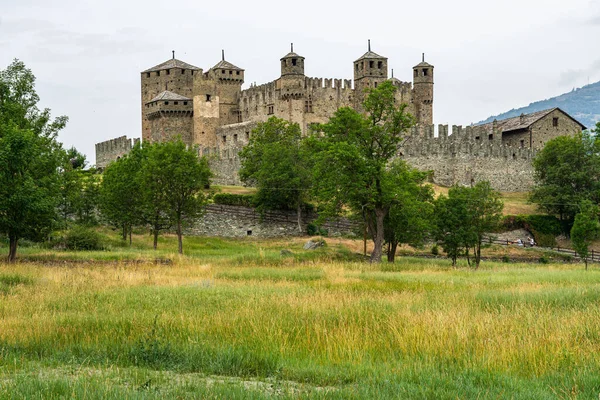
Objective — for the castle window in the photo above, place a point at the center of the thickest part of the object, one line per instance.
(370, 64)
(357, 67)
(157, 73)
(166, 103)
(224, 138)
(424, 71)
(230, 72)
(235, 137)
(182, 71)
(477, 138)
(270, 110)
(208, 97)
(222, 71)
(379, 64)
(555, 122)
(237, 72)
(185, 103)
(168, 72)
(491, 136)
(375, 84)
(362, 65)
(416, 73)
(247, 135)
(192, 71)
(308, 105)
(294, 61)
(175, 102)
(147, 74)
(522, 143)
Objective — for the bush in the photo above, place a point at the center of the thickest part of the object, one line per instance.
(81, 238)
(544, 228)
(435, 250)
(315, 230)
(230, 199)
(544, 260)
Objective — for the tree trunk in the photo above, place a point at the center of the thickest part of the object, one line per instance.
(155, 233)
(468, 256)
(12, 249)
(392, 251)
(477, 255)
(378, 238)
(299, 211)
(179, 237)
(124, 232)
(584, 260)
(130, 229)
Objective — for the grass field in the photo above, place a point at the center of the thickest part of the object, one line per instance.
(236, 320)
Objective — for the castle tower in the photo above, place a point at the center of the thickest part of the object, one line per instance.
(291, 88)
(369, 71)
(169, 117)
(172, 75)
(216, 96)
(423, 92)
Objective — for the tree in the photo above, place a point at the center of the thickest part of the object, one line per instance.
(30, 157)
(485, 213)
(120, 181)
(352, 153)
(451, 230)
(174, 179)
(274, 162)
(585, 229)
(567, 172)
(410, 216)
(464, 216)
(79, 189)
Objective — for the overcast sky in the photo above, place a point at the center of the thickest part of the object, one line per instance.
(489, 56)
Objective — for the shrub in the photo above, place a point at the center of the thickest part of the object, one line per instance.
(544, 228)
(81, 238)
(543, 260)
(230, 199)
(315, 230)
(435, 250)
(505, 259)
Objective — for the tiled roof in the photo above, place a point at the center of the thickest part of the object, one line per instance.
(166, 95)
(291, 55)
(226, 65)
(172, 63)
(423, 64)
(370, 54)
(523, 121)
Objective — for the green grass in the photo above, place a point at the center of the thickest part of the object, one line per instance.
(236, 319)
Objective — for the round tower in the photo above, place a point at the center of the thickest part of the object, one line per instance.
(292, 64)
(369, 71)
(423, 92)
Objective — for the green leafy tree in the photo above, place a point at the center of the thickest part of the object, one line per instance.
(174, 179)
(451, 230)
(585, 229)
(274, 162)
(567, 172)
(30, 157)
(121, 192)
(485, 214)
(411, 213)
(465, 216)
(352, 153)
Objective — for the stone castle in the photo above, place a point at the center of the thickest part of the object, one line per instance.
(210, 110)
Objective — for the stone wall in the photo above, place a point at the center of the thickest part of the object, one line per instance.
(111, 150)
(468, 156)
(235, 221)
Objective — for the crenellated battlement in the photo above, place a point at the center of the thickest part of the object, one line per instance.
(113, 149)
(466, 155)
(327, 83)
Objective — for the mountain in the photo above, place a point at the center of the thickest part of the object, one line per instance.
(583, 104)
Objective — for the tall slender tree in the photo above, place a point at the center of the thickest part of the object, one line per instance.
(30, 156)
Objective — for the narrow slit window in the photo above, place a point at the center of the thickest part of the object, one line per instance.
(555, 122)
(208, 97)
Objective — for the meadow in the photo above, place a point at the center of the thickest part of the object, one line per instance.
(238, 320)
